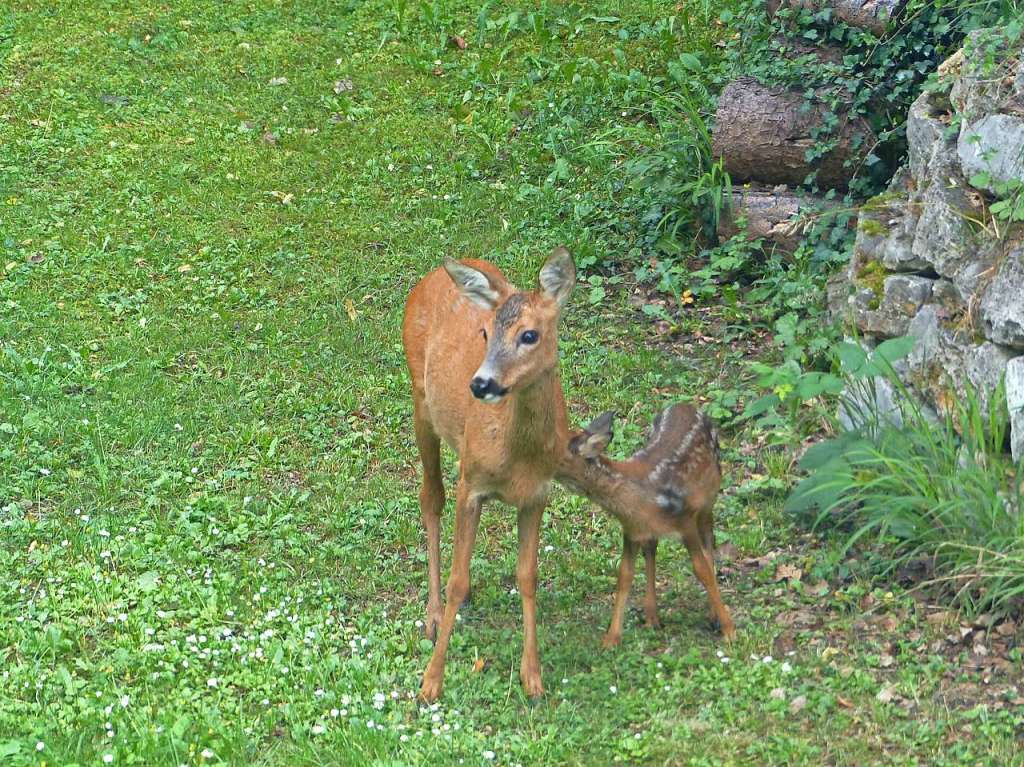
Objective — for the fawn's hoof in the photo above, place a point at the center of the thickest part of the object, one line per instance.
(431, 625)
(532, 688)
(654, 623)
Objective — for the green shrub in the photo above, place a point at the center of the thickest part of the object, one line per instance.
(920, 487)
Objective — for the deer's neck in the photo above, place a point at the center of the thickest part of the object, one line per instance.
(537, 420)
(610, 484)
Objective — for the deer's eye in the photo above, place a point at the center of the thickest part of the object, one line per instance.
(529, 337)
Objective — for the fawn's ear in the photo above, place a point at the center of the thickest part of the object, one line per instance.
(593, 440)
(472, 283)
(558, 276)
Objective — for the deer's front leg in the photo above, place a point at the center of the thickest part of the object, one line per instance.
(467, 518)
(626, 570)
(526, 574)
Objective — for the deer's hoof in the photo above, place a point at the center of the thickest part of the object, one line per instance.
(611, 640)
(431, 689)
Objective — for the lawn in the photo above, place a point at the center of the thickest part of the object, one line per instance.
(210, 547)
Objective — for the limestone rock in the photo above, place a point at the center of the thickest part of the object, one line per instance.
(889, 315)
(1002, 307)
(1015, 405)
(943, 236)
(993, 145)
(926, 135)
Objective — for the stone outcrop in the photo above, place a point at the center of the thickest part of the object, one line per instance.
(930, 260)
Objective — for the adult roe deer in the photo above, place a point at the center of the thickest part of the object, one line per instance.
(483, 358)
(667, 488)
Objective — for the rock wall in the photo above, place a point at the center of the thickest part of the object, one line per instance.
(930, 259)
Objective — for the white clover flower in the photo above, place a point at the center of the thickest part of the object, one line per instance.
(108, 758)
(489, 755)
(318, 729)
(206, 753)
(125, 700)
(613, 689)
(767, 659)
(40, 745)
(786, 668)
(211, 682)
(725, 659)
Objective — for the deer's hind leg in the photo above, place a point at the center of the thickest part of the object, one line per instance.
(431, 506)
(704, 568)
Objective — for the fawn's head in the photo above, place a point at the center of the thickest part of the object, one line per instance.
(678, 467)
(521, 332)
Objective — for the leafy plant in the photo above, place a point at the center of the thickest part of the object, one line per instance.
(941, 490)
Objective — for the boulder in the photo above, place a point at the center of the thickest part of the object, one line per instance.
(943, 236)
(927, 142)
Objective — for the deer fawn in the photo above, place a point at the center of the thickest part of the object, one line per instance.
(668, 488)
(483, 358)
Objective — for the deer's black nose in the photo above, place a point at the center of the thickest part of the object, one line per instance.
(481, 387)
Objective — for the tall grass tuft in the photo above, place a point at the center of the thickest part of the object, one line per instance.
(923, 486)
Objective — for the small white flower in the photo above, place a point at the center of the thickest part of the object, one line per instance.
(767, 659)
(334, 713)
(403, 737)
(124, 701)
(719, 653)
(565, 680)
(725, 659)
(45, 472)
(108, 758)
(613, 689)
(211, 682)
(318, 729)
(489, 755)
(105, 533)
(786, 668)
(370, 724)
(178, 427)
(40, 746)
(206, 753)
(318, 693)
(548, 549)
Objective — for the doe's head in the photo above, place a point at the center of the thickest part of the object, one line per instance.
(521, 331)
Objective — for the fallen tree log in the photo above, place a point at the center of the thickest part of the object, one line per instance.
(764, 134)
(776, 214)
(872, 15)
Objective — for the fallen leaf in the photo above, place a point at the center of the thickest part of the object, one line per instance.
(1006, 628)
(886, 694)
(886, 661)
(343, 85)
(478, 665)
(457, 42)
(788, 572)
(726, 551)
(185, 268)
(777, 694)
(350, 309)
(937, 619)
(36, 258)
(843, 702)
(276, 81)
(269, 138)
(797, 704)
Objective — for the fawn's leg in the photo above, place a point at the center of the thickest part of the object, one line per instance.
(526, 576)
(704, 569)
(431, 506)
(651, 596)
(467, 518)
(614, 634)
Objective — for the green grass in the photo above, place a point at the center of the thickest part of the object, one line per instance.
(209, 532)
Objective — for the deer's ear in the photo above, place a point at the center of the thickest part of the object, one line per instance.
(593, 440)
(472, 283)
(558, 276)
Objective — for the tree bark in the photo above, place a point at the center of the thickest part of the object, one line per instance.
(772, 214)
(872, 15)
(763, 134)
